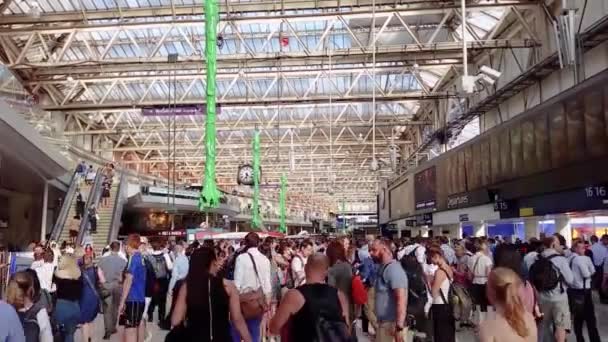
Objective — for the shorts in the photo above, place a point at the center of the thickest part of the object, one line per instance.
(480, 298)
(133, 314)
(556, 314)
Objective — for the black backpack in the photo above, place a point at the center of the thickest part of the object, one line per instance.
(544, 275)
(328, 330)
(417, 289)
(329, 324)
(31, 329)
(159, 265)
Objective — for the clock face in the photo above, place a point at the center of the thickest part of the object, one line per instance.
(245, 175)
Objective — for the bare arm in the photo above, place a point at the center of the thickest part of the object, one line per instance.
(484, 334)
(179, 311)
(401, 300)
(101, 276)
(126, 287)
(291, 303)
(344, 305)
(436, 287)
(235, 311)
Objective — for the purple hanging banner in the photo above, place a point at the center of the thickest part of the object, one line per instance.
(179, 110)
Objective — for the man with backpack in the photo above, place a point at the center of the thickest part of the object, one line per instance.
(315, 311)
(550, 274)
(579, 294)
(162, 265)
(391, 293)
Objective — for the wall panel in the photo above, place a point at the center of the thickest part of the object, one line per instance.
(595, 125)
(575, 129)
(559, 137)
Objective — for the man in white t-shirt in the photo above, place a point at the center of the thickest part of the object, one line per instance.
(480, 266)
(299, 261)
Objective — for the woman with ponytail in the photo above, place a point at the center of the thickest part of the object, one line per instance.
(513, 323)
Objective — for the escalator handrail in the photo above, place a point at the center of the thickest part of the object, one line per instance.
(119, 202)
(65, 208)
(93, 199)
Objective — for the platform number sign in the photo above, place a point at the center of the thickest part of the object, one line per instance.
(595, 191)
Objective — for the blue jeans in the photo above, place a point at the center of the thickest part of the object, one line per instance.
(253, 325)
(67, 314)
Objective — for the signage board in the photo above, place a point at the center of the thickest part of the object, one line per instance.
(178, 110)
(425, 189)
(468, 199)
(463, 217)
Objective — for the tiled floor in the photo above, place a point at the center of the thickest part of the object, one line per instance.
(463, 336)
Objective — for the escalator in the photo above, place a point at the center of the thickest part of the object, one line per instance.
(68, 219)
(108, 223)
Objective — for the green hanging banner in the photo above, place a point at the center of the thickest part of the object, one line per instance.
(283, 204)
(210, 195)
(256, 220)
(343, 216)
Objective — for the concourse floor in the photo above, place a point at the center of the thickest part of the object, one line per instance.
(462, 336)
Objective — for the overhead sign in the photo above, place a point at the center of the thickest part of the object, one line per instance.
(463, 217)
(425, 189)
(468, 199)
(178, 110)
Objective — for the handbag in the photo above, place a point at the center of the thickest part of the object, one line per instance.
(253, 303)
(90, 283)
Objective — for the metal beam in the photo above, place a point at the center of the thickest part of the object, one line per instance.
(235, 10)
(199, 147)
(223, 125)
(235, 102)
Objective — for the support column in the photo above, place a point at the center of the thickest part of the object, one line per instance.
(479, 229)
(457, 231)
(45, 205)
(563, 227)
(531, 228)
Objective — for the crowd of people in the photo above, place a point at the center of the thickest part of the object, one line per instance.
(321, 289)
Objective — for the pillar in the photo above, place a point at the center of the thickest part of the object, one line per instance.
(457, 231)
(531, 228)
(479, 229)
(45, 205)
(562, 226)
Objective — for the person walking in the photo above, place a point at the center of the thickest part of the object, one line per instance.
(206, 303)
(301, 308)
(579, 294)
(251, 273)
(480, 265)
(299, 261)
(391, 293)
(34, 316)
(90, 299)
(340, 274)
(550, 275)
(11, 329)
(132, 302)
(600, 252)
(112, 266)
(161, 264)
(68, 280)
(512, 323)
(179, 272)
(444, 324)
(93, 219)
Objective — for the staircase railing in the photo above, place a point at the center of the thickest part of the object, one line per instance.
(93, 199)
(65, 208)
(121, 199)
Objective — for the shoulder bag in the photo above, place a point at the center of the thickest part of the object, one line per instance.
(253, 303)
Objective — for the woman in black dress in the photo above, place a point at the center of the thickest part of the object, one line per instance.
(206, 303)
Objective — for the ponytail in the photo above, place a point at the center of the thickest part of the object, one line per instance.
(514, 309)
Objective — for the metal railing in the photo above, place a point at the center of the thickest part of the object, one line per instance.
(121, 199)
(93, 199)
(65, 208)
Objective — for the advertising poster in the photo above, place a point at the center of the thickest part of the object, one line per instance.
(425, 189)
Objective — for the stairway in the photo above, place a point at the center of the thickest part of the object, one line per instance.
(100, 239)
(71, 223)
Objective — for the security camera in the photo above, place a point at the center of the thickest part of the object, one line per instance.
(483, 78)
(490, 72)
